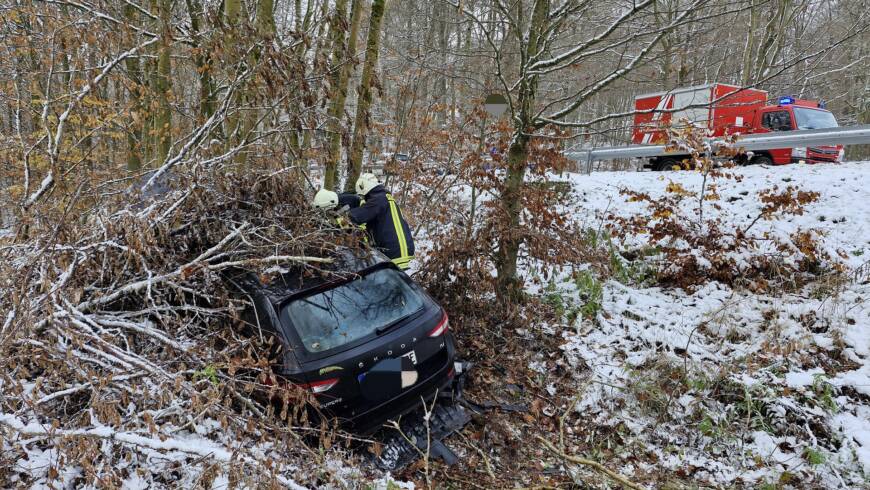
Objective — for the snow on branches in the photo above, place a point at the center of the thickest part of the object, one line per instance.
(122, 356)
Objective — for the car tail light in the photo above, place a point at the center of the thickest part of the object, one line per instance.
(321, 386)
(441, 328)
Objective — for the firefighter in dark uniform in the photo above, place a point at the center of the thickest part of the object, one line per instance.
(375, 210)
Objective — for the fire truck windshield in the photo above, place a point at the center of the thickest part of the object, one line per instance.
(814, 118)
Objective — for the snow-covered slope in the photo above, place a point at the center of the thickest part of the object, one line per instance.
(724, 386)
(842, 211)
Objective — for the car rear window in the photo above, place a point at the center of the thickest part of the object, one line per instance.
(352, 310)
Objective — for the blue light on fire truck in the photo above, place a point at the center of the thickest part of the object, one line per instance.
(786, 100)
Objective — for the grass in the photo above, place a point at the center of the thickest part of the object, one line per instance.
(814, 457)
(209, 372)
(824, 393)
(591, 294)
(637, 272)
(553, 298)
(625, 270)
(708, 427)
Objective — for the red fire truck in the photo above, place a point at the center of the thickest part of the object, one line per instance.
(727, 109)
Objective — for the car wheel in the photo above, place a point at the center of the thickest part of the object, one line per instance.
(761, 160)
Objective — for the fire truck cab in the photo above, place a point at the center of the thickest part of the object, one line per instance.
(792, 114)
(728, 109)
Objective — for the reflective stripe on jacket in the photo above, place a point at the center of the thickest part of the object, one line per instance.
(385, 225)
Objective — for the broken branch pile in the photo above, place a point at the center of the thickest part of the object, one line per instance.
(120, 360)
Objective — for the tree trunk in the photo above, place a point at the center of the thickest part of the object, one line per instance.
(163, 121)
(203, 61)
(337, 36)
(248, 94)
(509, 286)
(297, 14)
(749, 48)
(232, 11)
(135, 132)
(683, 72)
(364, 101)
(149, 101)
(662, 19)
(767, 41)
(266, 18)
(443, 46)
(774, 38)
(511, 238)
(322, 44)
(339, 96)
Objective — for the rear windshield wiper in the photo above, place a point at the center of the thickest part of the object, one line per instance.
(386, 328)
(389, 327)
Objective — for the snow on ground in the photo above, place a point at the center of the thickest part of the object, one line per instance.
(842, 211)
(770, 388)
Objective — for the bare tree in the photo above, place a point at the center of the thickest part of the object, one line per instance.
(539, 30)
(364, 98)
(344, 60)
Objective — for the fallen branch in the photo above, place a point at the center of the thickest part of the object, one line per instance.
(82, 387)
(267, 260)
(192, 447)
(128, 318)
(592, 464)
(9, 317)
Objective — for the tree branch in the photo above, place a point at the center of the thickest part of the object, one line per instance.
(592, 464)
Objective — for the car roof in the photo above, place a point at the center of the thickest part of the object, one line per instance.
(294, 279)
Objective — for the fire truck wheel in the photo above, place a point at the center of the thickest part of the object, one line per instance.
(666, 164)
(761, 160)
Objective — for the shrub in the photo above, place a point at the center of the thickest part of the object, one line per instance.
(694, 250)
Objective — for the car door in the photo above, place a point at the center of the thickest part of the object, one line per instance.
(778, 120)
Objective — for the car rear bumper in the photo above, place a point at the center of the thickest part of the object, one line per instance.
(371, 420)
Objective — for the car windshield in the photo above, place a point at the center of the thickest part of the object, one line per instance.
(353, 310)
(814, 119)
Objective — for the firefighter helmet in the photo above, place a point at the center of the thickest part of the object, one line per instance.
(325, 199)
(365, 183)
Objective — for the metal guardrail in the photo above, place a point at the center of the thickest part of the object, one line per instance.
(852, 135)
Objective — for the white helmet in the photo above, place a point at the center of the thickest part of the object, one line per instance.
(325, 199)
(365, 183)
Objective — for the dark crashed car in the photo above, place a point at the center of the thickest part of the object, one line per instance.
(367, 341)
